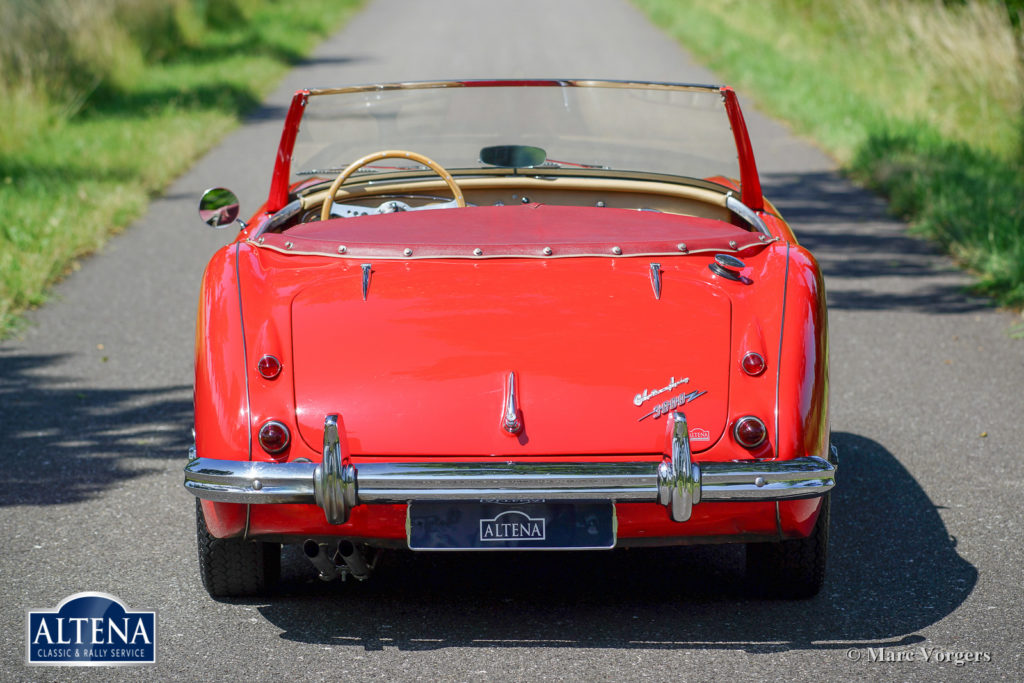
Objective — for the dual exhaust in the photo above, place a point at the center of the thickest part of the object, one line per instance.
(346, 560)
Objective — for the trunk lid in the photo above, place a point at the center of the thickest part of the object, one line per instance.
(421, 367)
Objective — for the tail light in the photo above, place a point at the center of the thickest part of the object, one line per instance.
(274, 437)
(753, 364)
(269, 367)
(749, 432)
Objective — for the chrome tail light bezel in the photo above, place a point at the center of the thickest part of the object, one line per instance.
(271, 424)
(760, 364)
(269, 366)
(747, 419)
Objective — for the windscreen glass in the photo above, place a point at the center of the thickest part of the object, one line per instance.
(677, 130)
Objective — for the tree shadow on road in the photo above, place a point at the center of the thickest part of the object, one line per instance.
(856, 241)
(66, 445)
(893, 571)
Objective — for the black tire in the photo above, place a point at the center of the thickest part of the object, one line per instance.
(232, 567)
(791, 569)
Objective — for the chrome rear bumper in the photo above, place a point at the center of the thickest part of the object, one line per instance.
(337, 486)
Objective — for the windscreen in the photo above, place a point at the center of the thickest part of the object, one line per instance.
(657, 128)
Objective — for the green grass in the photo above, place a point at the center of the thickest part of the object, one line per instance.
(920, 100)
(77, 161)
(969, 201)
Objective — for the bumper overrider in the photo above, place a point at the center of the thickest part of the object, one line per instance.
(336, 485)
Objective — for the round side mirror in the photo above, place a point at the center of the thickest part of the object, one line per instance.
(218, 207)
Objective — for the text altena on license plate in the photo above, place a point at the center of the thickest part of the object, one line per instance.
(492, 525)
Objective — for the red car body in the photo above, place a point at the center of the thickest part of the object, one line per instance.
(558, 344)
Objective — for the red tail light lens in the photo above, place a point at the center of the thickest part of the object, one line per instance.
(749, 432)
(753, 364)
(269, 367)
(274, 437)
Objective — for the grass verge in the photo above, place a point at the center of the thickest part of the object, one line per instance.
(923, 101)
(76, 156)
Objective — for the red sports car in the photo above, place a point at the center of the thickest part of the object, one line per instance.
(510, 315)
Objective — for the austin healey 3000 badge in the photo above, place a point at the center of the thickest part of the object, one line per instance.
(670, 404)
(648, 394)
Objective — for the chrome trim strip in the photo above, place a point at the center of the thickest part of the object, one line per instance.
(556, 82)
(285, 214)
(367, 269)
(656, 279)
(248, 516)
(245, 354)
(355, 252)
(747, 214)
(778, 357)
(245, 366)
(511, 422)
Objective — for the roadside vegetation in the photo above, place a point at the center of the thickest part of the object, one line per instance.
(104, 102)
(922, 100)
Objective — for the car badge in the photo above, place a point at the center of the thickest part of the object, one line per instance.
(648, 394)
(671, 404)
(698, 434)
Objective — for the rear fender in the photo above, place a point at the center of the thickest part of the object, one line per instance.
(803, 402)
(220, 395)
(803, 394)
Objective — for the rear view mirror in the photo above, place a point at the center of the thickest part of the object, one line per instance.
(513, 156)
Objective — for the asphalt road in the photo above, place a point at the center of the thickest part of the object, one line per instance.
(927, 390)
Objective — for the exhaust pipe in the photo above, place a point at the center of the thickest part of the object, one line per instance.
(354, 560)
(317, 554)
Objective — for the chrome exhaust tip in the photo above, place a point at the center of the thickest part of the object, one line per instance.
(354, 560)
(317, 554)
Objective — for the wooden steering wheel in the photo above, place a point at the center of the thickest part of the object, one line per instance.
(437, 168)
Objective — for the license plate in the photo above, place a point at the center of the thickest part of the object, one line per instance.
(486, 525)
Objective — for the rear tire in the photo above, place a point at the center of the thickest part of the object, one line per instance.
(791, 569)
(232, 567)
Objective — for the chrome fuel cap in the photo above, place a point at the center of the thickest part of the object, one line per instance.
(728, 267)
